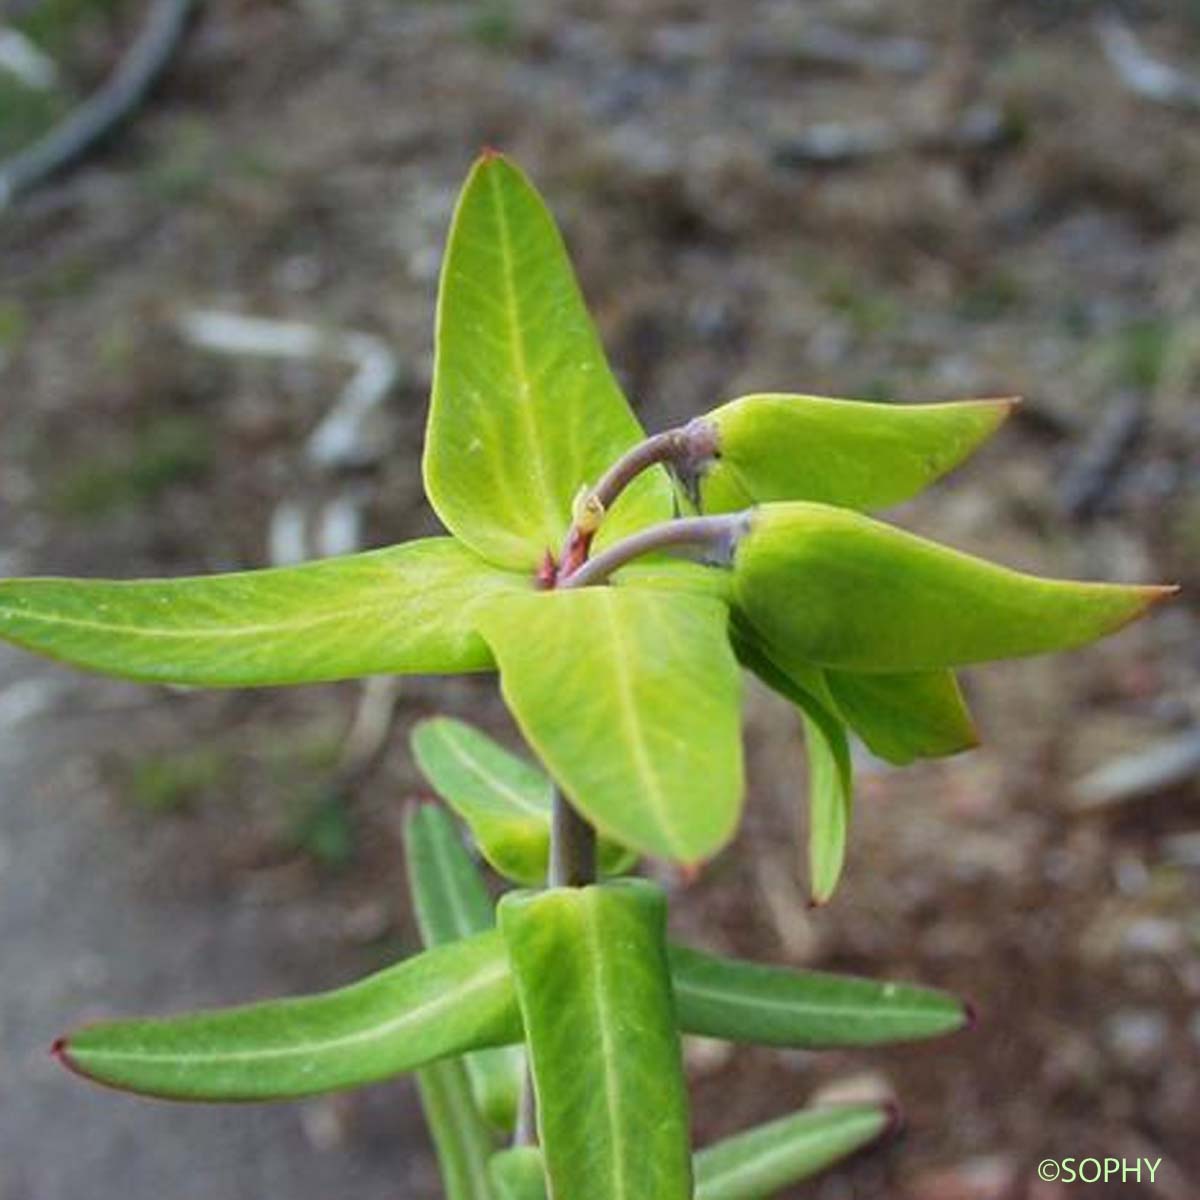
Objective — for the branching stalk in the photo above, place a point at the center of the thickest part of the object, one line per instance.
(685, 449)
(718, 535)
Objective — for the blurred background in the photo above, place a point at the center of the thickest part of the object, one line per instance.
(215, 350)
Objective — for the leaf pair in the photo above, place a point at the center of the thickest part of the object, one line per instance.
(601, 1000)
(459, 998)
(595, 988)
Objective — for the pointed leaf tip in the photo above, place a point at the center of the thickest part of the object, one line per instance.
(854, 454)
(810, 580)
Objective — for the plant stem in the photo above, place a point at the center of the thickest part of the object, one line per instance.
(686, 449)
(572, 846)
(718, 534)
(572, 837)
(525, 1134)
(572, 864)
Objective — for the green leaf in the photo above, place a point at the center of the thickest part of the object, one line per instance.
(843, 452)
(748, 1166)
(829, 586)
(756, 1164)
(591, 977)
(452, 903)
(442, 1002)
(525, 409)
(632, 700)
(450, 898)
(902, 717)
(405, 609)
(813, 1010)
(830, 770)
(830, 805)
(518, 1174)
(505, 800)
(460, 1136)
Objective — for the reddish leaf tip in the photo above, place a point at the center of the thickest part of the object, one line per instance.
(893, 1120)
(1150, 595)
(970, 1015)
(61, 1051)
(1163, 591)
(489, 153)
(417, 804)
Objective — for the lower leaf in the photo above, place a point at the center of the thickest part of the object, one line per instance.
(460, 1137)
(591, 975)
(777, 1006)
(442, 1002)
(452, 903)
(756, 1164)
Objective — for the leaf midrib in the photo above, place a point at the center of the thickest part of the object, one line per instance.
(203, 631)
(482, 981)
(519, 357)
(453, 739)
(608, 1052)
(762, 1161)
(619, 660)
(857, 1012)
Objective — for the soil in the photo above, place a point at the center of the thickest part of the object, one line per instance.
(161, 850)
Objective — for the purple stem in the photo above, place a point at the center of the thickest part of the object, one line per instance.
(686, 449)
(718, 534)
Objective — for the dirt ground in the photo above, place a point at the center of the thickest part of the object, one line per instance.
(974, 204)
